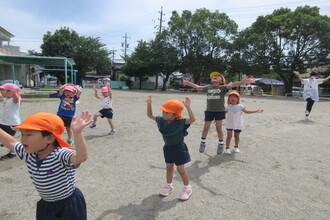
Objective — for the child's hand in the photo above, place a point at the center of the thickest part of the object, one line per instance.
(296, 73)
(78, 124)
(108, 84)
(186, 102)
(95, 89)
(260, 110)
(149, 99)
(185, 81)
(248, 80)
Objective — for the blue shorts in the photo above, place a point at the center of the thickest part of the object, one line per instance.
(67, 120)
(73, 207)
(8, 129)
(210, 116)
(177, 154)
(235, 130)
(106, 112)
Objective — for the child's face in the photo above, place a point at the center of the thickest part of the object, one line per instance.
(105, 94)
(7, 93)
(68, 93)
(233, 99)
(33, 141)
(169, 116)
(216, 80)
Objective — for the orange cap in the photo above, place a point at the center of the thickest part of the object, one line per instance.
(43, 121)
(173, 106)
(213, 74)
(233, 93)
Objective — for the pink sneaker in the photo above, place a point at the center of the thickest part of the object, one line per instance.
(185, 193)
(166, 190)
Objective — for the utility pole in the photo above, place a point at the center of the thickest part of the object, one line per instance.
(125, 44)
(161, 20)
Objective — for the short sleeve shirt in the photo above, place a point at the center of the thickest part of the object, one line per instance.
(173, 133)
(216, 98)
(311, 88)
(67, 106)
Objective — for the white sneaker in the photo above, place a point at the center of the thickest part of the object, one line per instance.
(236, 150)
(227, 151)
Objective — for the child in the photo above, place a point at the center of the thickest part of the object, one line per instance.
(234, 120)
(311, 90)
(173, 129)
(106, 110)
(10, 112)
(69, 95)
(52, 163)
(215, 109)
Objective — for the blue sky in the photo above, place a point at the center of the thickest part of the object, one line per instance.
(109, 20)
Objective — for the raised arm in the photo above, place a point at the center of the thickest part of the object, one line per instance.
(298, 75)
(109, 88)
(149, 108)
(95, 92)
(77, 126)
(61, 89)
(187, 83)
(326, 78)
(245, 81)
(259, 110)
(7, 140)
(78, 90)
(191, 118)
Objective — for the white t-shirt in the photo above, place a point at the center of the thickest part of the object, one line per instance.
(106, 102)
(234, 119)
(10, 112)
(311, 88)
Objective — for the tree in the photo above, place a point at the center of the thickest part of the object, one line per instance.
(287, 40)
(203, 38)
(138, 64)
(88, 52)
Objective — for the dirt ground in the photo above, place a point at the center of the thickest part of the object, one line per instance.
(282, 171)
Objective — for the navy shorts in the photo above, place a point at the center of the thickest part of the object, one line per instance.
(67, 120)
(210, 116)
(106, 113)
(235, 130)
(8, 129)
(73, 207)
(177, 154)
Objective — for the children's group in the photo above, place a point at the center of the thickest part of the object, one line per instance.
(52, 161)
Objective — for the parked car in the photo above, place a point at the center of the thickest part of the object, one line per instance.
(297, 91)
(16, 82)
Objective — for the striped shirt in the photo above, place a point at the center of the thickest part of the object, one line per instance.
(53, 177)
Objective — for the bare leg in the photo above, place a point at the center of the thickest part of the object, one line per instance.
(228, 138)
(169, 172)
(184, 175)
(206, 128)
(218, 125)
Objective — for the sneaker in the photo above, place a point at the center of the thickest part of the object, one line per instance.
(185, 193)
(92, 125)
(227, 151)
(202, 147)
(166, 190)
(71, 142)
(7, 156)
(236, 150)
(111, 133)
(306, 113)
(220, 149)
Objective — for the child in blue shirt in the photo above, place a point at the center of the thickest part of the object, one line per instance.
(173, 129)
(69, 95)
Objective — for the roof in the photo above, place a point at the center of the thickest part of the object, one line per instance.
(268, 81)
(38, 60)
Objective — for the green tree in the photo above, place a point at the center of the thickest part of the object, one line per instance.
(139, 63)
(203, 39)
(285, 41)
(88, 52)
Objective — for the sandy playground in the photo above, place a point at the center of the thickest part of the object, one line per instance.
(282, 171)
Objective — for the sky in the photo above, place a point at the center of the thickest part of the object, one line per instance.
(112, 20)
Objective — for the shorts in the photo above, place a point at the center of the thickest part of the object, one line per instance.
(73, 207)
(235, 130)
(177, 154)
(106, 112)
(67, 120)
(8, 129)
(210, 116)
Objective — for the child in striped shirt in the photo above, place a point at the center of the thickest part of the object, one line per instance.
(52, 163)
